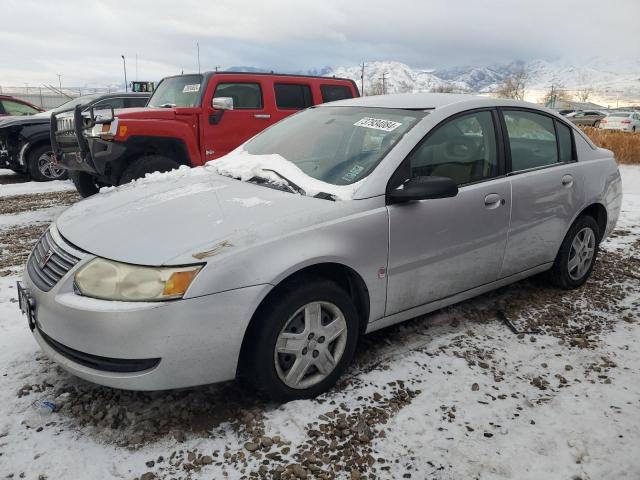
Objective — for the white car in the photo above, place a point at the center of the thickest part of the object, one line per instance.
(627, 121)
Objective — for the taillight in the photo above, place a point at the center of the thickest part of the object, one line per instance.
(626, 121)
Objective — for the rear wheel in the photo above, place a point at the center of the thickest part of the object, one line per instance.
(147, 164)
(85, 183)
(597, 124)
(304, 341)
(41, 166)
(577, 254)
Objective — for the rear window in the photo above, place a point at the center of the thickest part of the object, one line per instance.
(620, 115)
(331, 93)
(293, 96)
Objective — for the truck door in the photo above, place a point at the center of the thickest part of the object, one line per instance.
(224, 130)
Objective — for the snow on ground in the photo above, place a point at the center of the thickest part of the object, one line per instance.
(451, 395)
(12, 183)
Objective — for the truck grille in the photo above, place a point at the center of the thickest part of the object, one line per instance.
(48, 263)
(66, 125)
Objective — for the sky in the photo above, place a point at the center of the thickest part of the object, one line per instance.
(83, 40)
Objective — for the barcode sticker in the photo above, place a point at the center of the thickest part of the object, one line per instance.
(378, 124)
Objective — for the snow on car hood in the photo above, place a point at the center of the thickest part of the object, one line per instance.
(186, 216)
(243, 165)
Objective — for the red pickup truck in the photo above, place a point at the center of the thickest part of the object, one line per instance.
(189, 120)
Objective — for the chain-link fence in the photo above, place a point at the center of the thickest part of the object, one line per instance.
(49, 96)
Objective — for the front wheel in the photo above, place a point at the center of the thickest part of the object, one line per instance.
(147, 164)
(42, 167)
(85, 183)
(303, 342)
(577, 254)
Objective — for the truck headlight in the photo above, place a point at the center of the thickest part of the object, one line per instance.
(108, 280)
(104, 130)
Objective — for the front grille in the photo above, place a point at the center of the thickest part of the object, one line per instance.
(66, 124)
(48, 263)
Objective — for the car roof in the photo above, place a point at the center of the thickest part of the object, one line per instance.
(428, 101)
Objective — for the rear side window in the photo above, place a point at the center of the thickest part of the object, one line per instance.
(293, 96)
(532, 140)
(331, 93)
(244, 95)
(18, 109)
(565, 142)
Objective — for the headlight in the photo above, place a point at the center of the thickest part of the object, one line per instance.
(104, 130)
(109, 280)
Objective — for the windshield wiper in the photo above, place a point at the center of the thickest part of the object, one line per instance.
(294, 188)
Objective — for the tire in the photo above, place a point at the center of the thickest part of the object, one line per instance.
(266, 370)
(147, 164)
(85, 183)
(40, 165)
(572, 276)
(596, 124)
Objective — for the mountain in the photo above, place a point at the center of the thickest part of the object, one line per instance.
(609, 81)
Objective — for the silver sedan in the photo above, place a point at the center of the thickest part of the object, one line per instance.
(345, 218)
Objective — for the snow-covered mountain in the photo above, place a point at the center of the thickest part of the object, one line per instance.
(609, 81)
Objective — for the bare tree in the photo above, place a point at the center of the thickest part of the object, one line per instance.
(556, 93)
(584, 94)
(513, 85)
(443, 89)
(375, 88)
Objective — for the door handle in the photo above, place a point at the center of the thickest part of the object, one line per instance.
(567, 181)
(262, 115)
(493, 200)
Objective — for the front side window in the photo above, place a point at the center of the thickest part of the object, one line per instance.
(532, 140)
(331, 93)
(246, 96)
(18, 109)
(336, 145)
(293, 96)
(182, 91)
(130, 102)
(109, 103)
(463, 149)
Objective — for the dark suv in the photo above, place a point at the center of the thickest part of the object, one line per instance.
(25, 142)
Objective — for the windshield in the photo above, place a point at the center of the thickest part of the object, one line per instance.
(336, 145)
(182, 91)
(76, 101)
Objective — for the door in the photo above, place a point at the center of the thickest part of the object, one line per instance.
(546, 184)
(438, 248)
(224, 130)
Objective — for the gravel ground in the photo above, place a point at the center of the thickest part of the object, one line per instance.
(454, 394)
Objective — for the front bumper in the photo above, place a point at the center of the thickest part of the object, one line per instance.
(193, 341)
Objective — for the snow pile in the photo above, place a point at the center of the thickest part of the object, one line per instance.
(181, 172)
(241, 164)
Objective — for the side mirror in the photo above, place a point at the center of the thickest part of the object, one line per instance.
(423, 188)
(222, 103)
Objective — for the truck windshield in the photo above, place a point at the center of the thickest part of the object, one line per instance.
(182, 91)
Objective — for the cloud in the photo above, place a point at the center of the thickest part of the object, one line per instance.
(84, 40)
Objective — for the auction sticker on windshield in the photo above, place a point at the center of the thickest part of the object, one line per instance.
(378, 124)
(194, 87)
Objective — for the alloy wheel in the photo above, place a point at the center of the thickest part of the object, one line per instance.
(47, 168)
(310, 345)
(581, 253)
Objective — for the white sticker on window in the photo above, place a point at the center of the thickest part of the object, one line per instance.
(378, 124)
(194, 87)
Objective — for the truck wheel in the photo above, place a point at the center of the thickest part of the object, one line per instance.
(41, 167)
(84, 182)
(147, 164)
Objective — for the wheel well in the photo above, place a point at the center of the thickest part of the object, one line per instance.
(345, 277)
(599, 214)
(172, 148)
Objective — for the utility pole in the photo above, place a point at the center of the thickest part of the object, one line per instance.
(59, 80)
(384, 85)
(217, 67)
(124, 63)
(136, 67)
(198, 47)
(362, 79)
